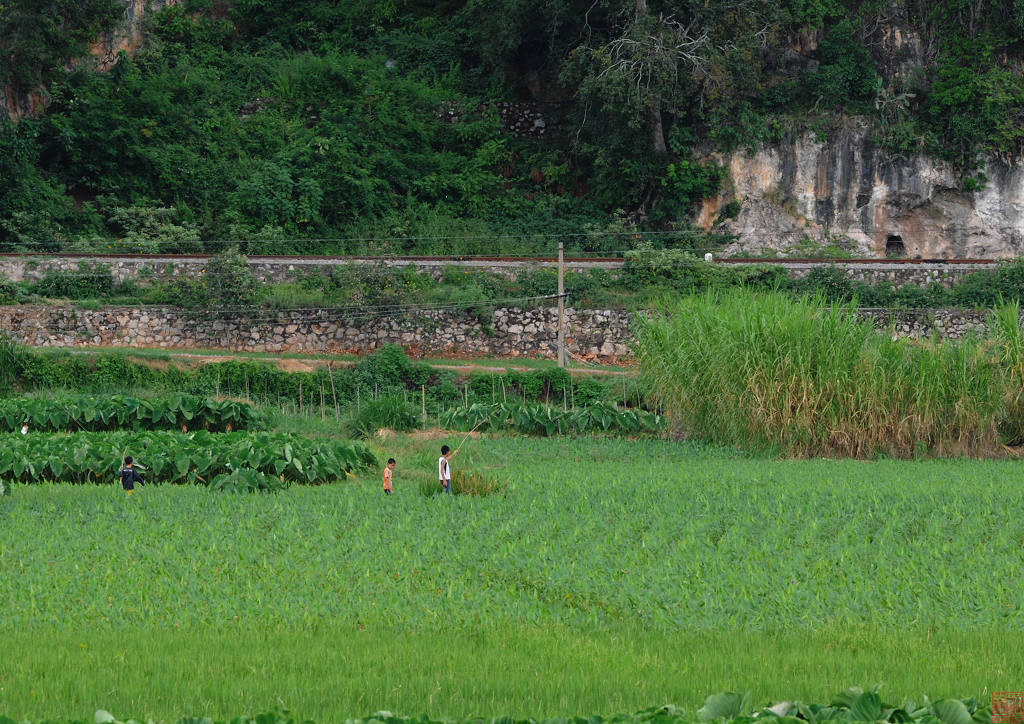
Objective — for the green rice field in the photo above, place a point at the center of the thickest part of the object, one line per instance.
(609, 575)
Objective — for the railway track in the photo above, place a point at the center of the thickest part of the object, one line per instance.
(607, 261)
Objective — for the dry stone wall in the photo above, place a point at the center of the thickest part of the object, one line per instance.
(266, 269)
(601, 335)
(897, 274)
(512, 332)
(271, 269)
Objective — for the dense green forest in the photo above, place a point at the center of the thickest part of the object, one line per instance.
(308, 126)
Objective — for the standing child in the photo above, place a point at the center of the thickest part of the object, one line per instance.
(129, 475)
(389, 486)
(444, 470)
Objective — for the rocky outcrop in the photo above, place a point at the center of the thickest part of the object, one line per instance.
(129, 34)
(18, 105)
(846, 189)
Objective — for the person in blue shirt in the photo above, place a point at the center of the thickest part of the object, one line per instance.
(129, 475)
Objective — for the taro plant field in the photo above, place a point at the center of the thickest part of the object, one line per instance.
(605, 574)
(73, 413)
(175, 457)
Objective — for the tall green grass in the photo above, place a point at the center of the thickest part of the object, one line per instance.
(331, 674)
(1006, 324)
(763, 371)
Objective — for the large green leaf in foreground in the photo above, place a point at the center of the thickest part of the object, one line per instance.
(853, 705)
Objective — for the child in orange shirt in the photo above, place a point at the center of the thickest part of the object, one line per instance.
(389, 485)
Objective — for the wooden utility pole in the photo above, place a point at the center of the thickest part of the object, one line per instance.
(561, 306)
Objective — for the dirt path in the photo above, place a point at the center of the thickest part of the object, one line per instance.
(310, 364)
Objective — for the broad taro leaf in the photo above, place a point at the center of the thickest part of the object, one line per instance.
(182, 464)
(845, 699)
(726, 705)
(59, 418)
(866, 707)
(952, 711)
(143, 408)
(56, 466)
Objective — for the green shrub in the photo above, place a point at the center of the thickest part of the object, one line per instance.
(679, 270)
(10, 292)
(846, 75)
(90, 281)
(181, 292)
(229, 281)
(391, 412)
(831, 282)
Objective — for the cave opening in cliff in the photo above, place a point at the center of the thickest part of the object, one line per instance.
(894, 246)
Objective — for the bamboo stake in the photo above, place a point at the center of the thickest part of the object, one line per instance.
(334, 392)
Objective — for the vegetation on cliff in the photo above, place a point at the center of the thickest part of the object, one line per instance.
(307, 127)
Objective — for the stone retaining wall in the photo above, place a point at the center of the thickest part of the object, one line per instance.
(270, 269)
(899, 275)
(602, 335)
(266, 269)
(917, 323)
(594, 334)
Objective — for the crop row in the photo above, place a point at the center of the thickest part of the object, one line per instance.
(546, 420)
(174, 457)
(72, 413)
(853, 705)
(588, 532)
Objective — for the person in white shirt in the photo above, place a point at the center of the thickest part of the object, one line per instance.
(444, 470)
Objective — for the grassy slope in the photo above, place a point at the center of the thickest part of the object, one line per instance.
(612, 576)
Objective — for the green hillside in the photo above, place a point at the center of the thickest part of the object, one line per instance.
(304, 126)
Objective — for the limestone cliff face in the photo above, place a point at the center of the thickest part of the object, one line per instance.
(16, 105)
(846, 187)
(129, 34)
(128, 37)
